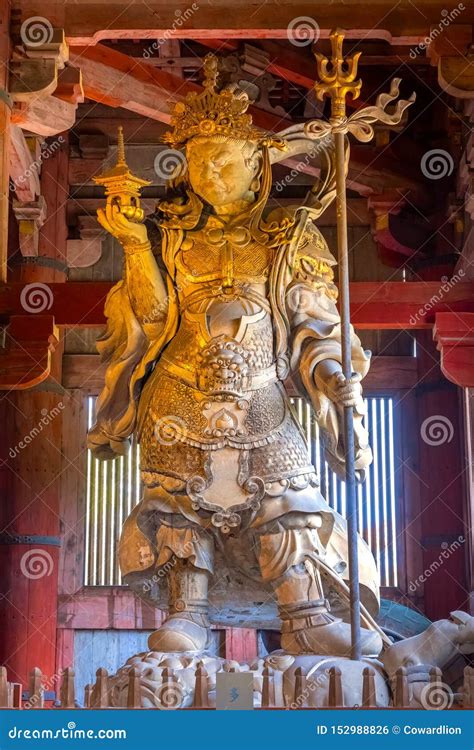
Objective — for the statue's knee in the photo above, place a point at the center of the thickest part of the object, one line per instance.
(184, 542)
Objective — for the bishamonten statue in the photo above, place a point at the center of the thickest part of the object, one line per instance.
(225, 300)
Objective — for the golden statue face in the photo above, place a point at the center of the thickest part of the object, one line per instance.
(222, 172)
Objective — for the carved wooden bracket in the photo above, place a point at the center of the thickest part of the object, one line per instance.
(382, 207)
(454, 334)
(25, 359)
(452, 53)
(30, 216)
(45, 92)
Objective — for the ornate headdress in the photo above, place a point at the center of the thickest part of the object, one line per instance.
(212, 113)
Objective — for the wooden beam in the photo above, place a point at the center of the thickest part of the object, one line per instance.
(88, 22)
(46, 115)
(113, 607)
(374, 304)
(406, 305)
(118, 80)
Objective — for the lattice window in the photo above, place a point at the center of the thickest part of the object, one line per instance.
(113, 489)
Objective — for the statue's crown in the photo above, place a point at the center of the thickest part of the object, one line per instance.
(211, 112)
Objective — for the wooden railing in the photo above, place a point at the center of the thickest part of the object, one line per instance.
(98, 695)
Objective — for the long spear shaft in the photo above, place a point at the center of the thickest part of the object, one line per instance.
(337, 83)
(349, 447)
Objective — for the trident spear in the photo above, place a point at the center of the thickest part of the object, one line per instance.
(337, 80)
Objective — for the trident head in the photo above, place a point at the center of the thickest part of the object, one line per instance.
(339, 80)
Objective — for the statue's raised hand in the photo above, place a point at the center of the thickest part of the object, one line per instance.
(125, 224)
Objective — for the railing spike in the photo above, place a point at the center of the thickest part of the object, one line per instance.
(369, 699)
(335, 698)
(68, 691)
(300, 687)
(16, 694)
(134, 698)
(401, 696)
(468, 688)
(268, 691)
(36, 692)
(100, 691)
(3, 688)
(201, 689)
(88, 696)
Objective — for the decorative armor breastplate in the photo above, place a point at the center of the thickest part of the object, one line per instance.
(213, 414)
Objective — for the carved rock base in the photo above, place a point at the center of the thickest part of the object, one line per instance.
(167, 681)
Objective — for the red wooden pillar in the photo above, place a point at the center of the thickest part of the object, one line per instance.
(4, 136)
(442, 474)
(31, 462)
(30, 528)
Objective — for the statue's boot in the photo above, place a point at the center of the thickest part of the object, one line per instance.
(308, 627)
(186, 627)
